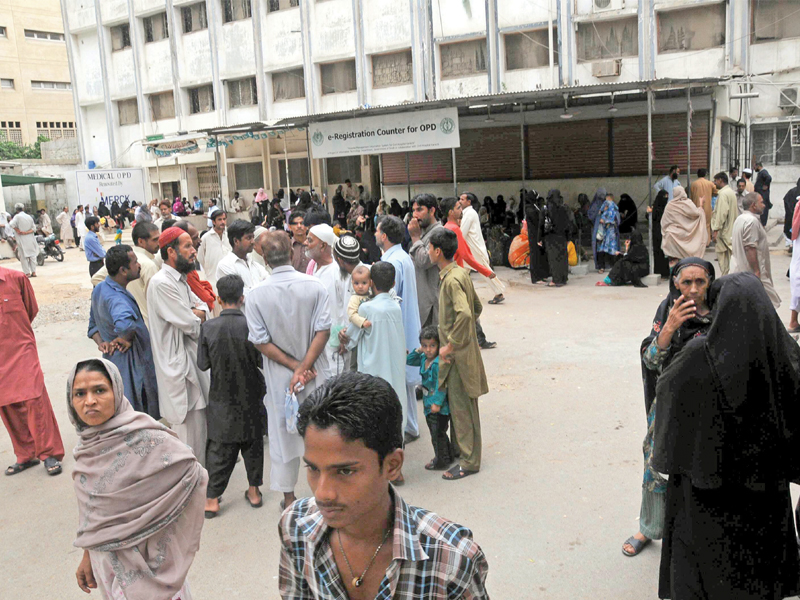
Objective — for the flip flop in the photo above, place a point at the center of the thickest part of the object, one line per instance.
(793, 330)
(638, 545)
(258, 504)
(210, 514)
(20, 467)
(496, 301)
(457, 473)
(52, 466)
(434, 466)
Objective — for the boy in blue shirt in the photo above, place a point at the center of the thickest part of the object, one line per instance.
(437, 412)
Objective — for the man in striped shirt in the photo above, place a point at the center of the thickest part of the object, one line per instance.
(356, 537)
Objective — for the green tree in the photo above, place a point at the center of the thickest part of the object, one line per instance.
(12, 150)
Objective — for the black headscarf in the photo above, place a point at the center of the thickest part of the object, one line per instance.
(689, 330)
(727, 408)
(557, 213)
(628, 206)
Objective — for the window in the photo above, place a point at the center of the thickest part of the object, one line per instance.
(194, 17)
(775, 20)
(2, 31)
(772, 145)
(44, 35)
(463, 58)
(10, 131)
(530, 49)
(55, 130)
(288, 85)
(242, 92)
(120, 37)
(208, 182)
(298, 172)
(155, 28)
(7, 84)
(128, 112)
(603, 40)
(338, 77)
(282, 4)
(235, 10)
(392, 69)
(249, 176)
(51, 85)
(344, 167)
(162, 106)
(201, 99)
(691, 28)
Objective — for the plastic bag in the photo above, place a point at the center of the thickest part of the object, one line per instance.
(290, 407)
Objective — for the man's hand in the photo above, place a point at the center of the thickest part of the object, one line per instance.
(435, 408)
(106, 348)
(85, 575)
(445, 353)
(367, 324)
(361, 220)
(343, 337)
(200, 314)
(414, 230)
(493, 275)
(713, 236)
(121, 344)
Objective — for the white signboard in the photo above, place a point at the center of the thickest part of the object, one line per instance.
(402, 132)
(97, 186)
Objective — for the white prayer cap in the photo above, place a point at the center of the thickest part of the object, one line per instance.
(259, 230)
(19, 206)
(324, 233)
(748, 171)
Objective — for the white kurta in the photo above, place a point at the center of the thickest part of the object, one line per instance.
(66, 229)
(287, 310)
(79, 225)
(212, 249)
(248, 269)
(471, 230)
(28, 248)
(331, 277)
(46, 224)
(174, 330)
(794, 275)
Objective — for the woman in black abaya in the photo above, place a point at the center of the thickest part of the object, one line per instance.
(534, 217)
(660, 262)
(727, 432)
(628, 213)
(555, 231)
(633, 265)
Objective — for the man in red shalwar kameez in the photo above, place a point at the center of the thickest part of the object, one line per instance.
(24, 404)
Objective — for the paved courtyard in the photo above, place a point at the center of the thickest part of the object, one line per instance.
(562, 463)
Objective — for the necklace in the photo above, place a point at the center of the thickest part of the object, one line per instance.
(357, 581)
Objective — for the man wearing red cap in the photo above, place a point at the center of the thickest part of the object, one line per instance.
(176, 315)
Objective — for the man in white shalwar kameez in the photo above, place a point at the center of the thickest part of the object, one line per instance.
(289, 322)
(45, 224)
(80, 225)
(25, 234)
(176, 315)
(214, 245)
(471, 230)
(65, 232)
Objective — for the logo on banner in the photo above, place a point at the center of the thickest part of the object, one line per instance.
(448, 125)
(318, 138)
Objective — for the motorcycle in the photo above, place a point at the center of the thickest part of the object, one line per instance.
(49, 246)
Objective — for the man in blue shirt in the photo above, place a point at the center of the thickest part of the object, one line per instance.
(92, 246)
(668, 182)
(117, 327)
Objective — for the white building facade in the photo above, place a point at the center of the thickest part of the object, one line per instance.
(167, 67)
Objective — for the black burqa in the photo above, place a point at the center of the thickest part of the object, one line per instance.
(634, 265)
(555, 231)
(789, 202)
(629, 214)
(660, 261)
(534, 217)
(727, 432)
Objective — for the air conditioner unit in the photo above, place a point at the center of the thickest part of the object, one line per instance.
(787, 98)
(607, 68)
(606, 5)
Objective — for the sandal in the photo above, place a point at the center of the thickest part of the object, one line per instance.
(497, 299)
(792, 330)
(52, 465)
(20, 467)
(258, 504)
(434, 466)
(457, 473)
(636, 544)
(210, 514)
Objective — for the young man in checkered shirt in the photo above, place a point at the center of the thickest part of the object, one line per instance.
(357, 538)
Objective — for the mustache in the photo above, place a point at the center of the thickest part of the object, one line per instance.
(330, 505)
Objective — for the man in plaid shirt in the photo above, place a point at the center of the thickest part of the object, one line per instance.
(357, 538)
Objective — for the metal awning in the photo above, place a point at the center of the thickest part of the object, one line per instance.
(12, 180)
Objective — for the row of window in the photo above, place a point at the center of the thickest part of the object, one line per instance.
(8, 84)
(250, 175)
(36, 35)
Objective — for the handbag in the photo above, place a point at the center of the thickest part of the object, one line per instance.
(601, 234)
(548, 224)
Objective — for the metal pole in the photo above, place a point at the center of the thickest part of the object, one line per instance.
(219, 172)
(310, 171)
(650, 175)
(408, 178)
(550, 44)
(688, 137)
(286, 164)
(158, 174)
(522, 142)
(380, 168)
(455, 176)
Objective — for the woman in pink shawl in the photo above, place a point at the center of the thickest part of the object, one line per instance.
(683, 228)
(141, 493)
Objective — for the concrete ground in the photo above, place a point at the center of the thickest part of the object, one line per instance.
(557, 495)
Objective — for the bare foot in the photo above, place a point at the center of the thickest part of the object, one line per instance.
(253, 495)
(630, 549)
(288, 499)
(212, 504)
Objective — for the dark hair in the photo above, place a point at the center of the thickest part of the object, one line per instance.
(295, 214)
(722, 175)
(393, 228)
(315, 217)
(445, 240)
(673, 168)
(758, 164)
(446, 205)
(238, 229)
(702, 172)
(741, 180)
(361, 407)
(347, 181)
(217, 213)
(230, 288)
(183, 225)
(91, 222)
(431, 332)
(142, 231)
(92, 365)
(167, 223)
(427, 201)
(117, 257)
(472, 197)
(166, 203)
(382, 274)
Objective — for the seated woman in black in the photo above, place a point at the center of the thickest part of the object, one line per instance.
(633, 265)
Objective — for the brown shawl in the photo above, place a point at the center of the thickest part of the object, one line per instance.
(136, 481)
(683, 227)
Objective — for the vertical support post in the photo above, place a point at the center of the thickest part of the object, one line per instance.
(551, 58)
(688, 137)
(455, 175)
(408, 179)
(310, 170)
(158, 175)
(650, 174)
(380, 168)
(219, 172)
(286, 164)
(522, 142)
